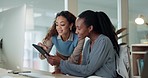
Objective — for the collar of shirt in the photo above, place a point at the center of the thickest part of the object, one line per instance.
(69, 39)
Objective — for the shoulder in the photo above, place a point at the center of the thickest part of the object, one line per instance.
(103, 37)
(103, 40)
(75, 35)
(54, 38)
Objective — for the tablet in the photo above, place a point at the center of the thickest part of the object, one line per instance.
(40, 49)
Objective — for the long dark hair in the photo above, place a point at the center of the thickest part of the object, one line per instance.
(70, 18)
(101, 24)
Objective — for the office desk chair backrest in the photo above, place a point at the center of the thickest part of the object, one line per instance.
(144, 73)
(123, 62)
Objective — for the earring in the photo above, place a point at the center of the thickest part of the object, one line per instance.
(70, 28)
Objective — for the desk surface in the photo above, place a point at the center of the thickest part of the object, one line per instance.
(4, 74)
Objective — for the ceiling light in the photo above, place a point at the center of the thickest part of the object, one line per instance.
(139, 20)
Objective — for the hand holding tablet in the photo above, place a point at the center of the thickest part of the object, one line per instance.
(41, 50)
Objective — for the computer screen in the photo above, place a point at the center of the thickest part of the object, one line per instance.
(19, 33)
(13, 30)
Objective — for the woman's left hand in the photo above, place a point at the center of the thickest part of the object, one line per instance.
(54, 60)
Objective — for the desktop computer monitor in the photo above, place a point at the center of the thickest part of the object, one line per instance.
(13, 33)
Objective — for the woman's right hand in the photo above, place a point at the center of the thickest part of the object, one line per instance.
(44, 47)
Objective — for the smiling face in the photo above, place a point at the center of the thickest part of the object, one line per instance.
(62, 26)
(81, 29)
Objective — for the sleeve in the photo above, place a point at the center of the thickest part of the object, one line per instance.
(76, 55)
(97, 57)
(49, 44)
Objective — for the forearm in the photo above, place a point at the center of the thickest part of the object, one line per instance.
(74, 69)
(47, 46)
(76, 55)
